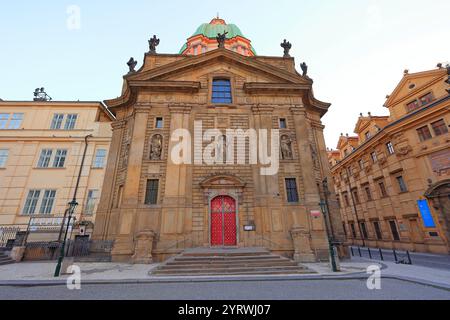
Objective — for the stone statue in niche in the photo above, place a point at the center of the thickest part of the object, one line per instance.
(315, 156)
(156, 147)
(126, 155)
(286, 148)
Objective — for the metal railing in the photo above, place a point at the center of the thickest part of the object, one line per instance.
(8, 236)
(399, 257)
(40, 251)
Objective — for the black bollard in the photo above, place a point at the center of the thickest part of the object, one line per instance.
(351, 249)
(359, 250)
(395, 255)
(381, 254)
(370, 253)
(409, 257)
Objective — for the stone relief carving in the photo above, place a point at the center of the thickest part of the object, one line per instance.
(315, 156)
(126, 155)
(286, 148)
(156, 147)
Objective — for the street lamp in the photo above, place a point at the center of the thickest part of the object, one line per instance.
(329, 227)
(72, 206)
(324, 207)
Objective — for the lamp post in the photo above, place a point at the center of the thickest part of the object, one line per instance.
(328, 225)
(323, 206)
(72, 206)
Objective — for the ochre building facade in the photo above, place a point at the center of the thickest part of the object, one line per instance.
(41, 149)
(393, 178)
(154, 207)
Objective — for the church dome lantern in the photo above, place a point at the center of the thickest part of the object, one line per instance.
(204, 39)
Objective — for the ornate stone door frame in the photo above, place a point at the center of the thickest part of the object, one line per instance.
(212, 196)
(223, 185)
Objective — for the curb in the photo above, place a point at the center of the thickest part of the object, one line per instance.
(355, 276)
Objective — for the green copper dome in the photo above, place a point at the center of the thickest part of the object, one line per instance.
(216, 26)
(211, 30)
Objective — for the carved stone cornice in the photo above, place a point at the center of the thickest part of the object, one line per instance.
(298, 110)
(180, 108)
(166, 86)
(258, 87)
(317, 125)
(117, 125)
(141, 108)
(263, 109)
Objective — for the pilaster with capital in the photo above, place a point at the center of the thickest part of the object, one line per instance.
(124, 245)
(103, 213)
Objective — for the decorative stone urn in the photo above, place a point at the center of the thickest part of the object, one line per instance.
(302, 245)
(143, 247)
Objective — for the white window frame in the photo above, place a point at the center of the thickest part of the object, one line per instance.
(31, 202)
(71, 121)
(99, 161)
(59, 160)
(91, 202)
(45, 157)
(4, 119)
(48, 201)
(4, 154)
(57, 122)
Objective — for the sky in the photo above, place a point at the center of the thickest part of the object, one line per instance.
(356, 50)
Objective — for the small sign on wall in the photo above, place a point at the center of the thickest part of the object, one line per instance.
(425, 213)
(316, 214)
(250, 228)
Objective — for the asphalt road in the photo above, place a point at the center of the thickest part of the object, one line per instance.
(243, 290)
(418, 259)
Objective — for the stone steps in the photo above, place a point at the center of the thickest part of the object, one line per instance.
(226, 259)
(4, 259)
(228, 262)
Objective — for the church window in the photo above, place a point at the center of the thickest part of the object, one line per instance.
(151, 196)
(221, 91)
(159, 123)
(283, 124)
(291, 190)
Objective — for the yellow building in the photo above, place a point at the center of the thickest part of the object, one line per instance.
(41, 149)
(393, 178)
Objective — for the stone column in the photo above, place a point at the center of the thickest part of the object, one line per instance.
(103, 214)
(124, 245)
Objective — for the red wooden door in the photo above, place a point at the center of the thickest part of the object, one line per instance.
(223, 221)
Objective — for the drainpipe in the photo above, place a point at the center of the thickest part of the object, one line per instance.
(356, 213)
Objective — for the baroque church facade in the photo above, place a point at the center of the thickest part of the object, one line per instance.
(154, 207)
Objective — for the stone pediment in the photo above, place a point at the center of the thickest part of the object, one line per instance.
(222, 182)
(413, 83)
(208, 59)
(188, 75)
